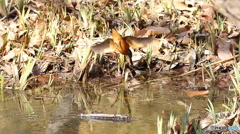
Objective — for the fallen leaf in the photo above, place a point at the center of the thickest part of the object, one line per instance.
(224, 47)
(133, 84)
(11, 70)
(151, 30)
(154, 30)
(208, 12)
(206, 122)
(191, 57)
(185, 40)
(176, 126)
(196, 93)
(11, 54)
(37, 36)
(181, 6)
(181, 33)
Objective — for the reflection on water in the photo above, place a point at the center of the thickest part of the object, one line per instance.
(51, 110)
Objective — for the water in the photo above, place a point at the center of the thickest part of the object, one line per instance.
(51, 110)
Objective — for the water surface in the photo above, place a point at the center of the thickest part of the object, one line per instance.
(52, 109)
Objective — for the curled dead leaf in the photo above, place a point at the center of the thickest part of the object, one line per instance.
(181, 6)
(224, 50)
(11, 69)
(196, 93)
(152, 30)
(11, 54)
(208, 12)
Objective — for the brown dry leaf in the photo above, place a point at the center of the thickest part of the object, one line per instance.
(140, 33)
(44, 78)
(14, 27)
(228, 121)
(224, 47)
(223, 122)
(11, 36)
(176, 4)
(184, 30)
(14, 53)
(120, 43)
(191, 57)
(210, 26)
(23, 56)
(154, 30)
(151, 30)
(181, 33)
(159, 8)
(15, 33)
(38, 32)
(186, 41)
(155, 45)
(176, 127)
(196, 93)
(206, 122)
(40, 3)
(181, 6)
(71, 24)
(31, 51)
(11, 69)
(234, 34)
(146, 16)
(46, 61)
(208, 12)
(168, 56)
(11, 54)
(133, 84)
(184, 19)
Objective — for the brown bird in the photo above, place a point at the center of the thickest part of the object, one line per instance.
(121, 44)
(111, 45)
(106, 46)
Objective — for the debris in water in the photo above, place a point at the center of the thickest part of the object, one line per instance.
(116, 118)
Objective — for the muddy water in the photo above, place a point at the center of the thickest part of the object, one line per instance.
(49, 110)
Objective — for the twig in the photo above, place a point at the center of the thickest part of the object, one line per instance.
(209, 65)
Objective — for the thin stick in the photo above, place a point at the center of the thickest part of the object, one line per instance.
(233, 57)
